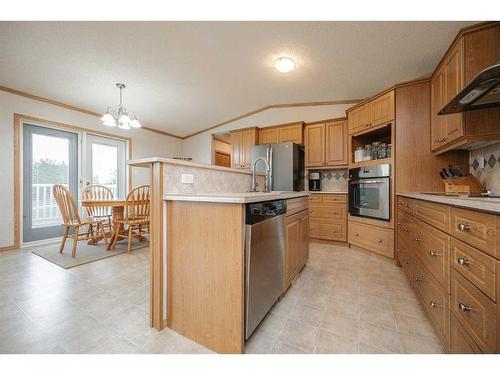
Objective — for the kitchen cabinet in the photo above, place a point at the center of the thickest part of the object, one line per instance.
(454, 270)
(296, 244)
(241, 143)
(283, 133)
(326, 144)
(377, 111)
(328, 217)
(474, 50)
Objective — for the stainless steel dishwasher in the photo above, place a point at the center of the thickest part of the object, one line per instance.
(265, 258)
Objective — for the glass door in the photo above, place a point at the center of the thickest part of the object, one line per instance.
(105, 164)
(50, 157)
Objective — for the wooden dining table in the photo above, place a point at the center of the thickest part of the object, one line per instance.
(118, 207)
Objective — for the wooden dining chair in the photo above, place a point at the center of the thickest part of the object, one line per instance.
(71, 218)
(136, 214)
(104, 214)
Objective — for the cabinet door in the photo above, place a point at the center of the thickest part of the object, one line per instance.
(437, 103)
(236, 161)
(358, 119)
(336, 143)
(454, 82)
(292, 249)
(382, 109)
(292, 133)
(268, 136)
(315, 145)
(248, 139)
(304, 239)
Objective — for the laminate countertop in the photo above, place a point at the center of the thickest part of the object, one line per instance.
(236, 197)
(483, 204)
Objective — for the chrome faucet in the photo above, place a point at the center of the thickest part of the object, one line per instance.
(267, 184)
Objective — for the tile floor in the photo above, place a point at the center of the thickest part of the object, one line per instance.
(344, 301)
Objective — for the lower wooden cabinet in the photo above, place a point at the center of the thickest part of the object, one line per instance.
(369, 237)
(328, 217)
(458, 284)
(296, 245)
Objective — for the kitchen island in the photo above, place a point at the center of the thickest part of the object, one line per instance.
(198, 248)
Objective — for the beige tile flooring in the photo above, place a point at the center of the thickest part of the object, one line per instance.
(344, 301)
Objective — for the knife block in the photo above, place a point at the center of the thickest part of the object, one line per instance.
(462, 185)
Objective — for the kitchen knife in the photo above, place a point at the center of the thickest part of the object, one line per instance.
(457, 172)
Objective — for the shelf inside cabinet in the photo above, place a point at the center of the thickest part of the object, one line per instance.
(369, 163)
(382, 134)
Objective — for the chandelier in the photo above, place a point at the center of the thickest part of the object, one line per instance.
(120, 116)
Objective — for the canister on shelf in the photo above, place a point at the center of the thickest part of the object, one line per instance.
(359, 154)
(375, 147)
(368, 152)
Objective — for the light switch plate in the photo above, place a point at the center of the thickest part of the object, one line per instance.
(187, 178)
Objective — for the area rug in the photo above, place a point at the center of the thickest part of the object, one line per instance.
(85, 253)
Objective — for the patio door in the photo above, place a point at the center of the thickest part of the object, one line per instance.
(105, 164)
(50, 157)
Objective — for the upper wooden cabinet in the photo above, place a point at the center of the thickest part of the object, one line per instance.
(474, 50)
(283, 133)
(326, 144)
(377, 111)
(241, 143)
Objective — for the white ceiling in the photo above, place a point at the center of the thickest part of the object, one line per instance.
(185, 76)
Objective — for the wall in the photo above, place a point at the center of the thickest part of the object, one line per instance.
(199, 146)
(489, 176)
(334, 180)
(144, 144)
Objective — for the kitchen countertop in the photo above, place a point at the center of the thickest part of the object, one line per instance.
(236, 197)
(483, 204)
(328, 192)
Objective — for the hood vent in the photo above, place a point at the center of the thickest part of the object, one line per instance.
(482, 92)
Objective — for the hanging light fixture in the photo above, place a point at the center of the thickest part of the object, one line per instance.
(120, 116)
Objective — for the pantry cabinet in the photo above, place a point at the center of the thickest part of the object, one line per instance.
(241, 143)
(326, 144)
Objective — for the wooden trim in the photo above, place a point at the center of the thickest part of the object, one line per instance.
(18, 118)
(282, 125)
(74, 108)
(326, 121)
(290, 105)
(156, 247)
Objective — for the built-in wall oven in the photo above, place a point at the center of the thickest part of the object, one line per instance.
(370, 192)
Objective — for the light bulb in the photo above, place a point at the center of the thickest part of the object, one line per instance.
(107, 118)
(284, 64)
(135, 123)
(124, 120)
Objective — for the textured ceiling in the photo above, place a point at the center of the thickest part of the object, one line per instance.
(185, 76)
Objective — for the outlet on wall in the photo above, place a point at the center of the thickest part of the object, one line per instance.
(187, 178)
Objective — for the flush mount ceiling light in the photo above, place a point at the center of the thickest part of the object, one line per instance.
(120, 116)
(284, 64)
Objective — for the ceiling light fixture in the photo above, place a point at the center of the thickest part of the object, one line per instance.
(120, 116)
(284, 64)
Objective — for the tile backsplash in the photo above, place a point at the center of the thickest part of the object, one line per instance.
(333, 180)
(489, 176)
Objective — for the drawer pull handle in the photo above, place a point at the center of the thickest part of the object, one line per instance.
(463, 262)
(417, 239)
(433, 253)
(405, 229)
(463, 227)
(408, 262)
(418, 279)
(463, 307)
(407, 205)
(379, 241)
(357, 234)
(434, 305)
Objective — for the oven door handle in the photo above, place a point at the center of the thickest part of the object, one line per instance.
(361, 182)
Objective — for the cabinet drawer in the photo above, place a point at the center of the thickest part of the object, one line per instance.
(476, 228)
(435, 214)
(406, 231)
(433, 248)
(436, 301)
(315, 198)
(295, 205)
(333, 213)
(335, 199)
(380, 240)
(408, 262)
(475, 311)
(326, 231)
(405, 204)
(476, 266)
(460, 341)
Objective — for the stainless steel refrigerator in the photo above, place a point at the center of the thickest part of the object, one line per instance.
(287, 164)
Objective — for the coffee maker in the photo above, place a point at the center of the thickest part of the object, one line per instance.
(314, 181)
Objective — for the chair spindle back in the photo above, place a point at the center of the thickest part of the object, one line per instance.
(97, 192)
(67, 205)
(138, 203)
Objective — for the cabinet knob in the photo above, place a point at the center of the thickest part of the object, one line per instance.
(408, 262)
(419, 279)
(357, 234)
(463, 227)
(405, 229)
(433, 253)
(441, 140)
(379, 241)
(434, 305)
(463, 307)
(463, 261)
(417, 239)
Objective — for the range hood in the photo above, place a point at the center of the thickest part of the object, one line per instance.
(482, 92)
